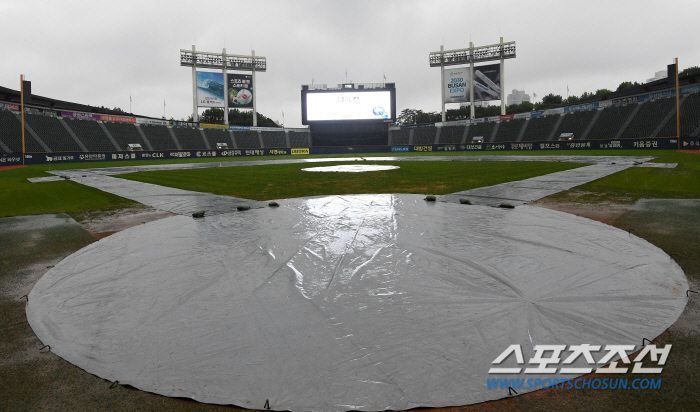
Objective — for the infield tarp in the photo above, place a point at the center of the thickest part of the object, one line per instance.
(366, 302)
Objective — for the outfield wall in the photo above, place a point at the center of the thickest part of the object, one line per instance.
(608, 144)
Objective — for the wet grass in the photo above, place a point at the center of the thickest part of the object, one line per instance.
(288, 180)
(628, 186)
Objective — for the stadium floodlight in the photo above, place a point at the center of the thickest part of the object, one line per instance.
(471, 55)
(224, 62)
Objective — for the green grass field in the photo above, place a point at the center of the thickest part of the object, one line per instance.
(20, 197)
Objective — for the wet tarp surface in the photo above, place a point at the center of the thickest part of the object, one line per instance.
(365, 302)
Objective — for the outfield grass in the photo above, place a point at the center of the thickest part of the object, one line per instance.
(288, 180)
(20, 197)
(628, 186)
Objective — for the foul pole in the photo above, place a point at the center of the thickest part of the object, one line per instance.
(678, 109)
(21, 80)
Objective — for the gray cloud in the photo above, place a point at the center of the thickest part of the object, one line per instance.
(99, 53)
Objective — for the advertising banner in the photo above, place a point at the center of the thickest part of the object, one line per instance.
(457, 84)
(210, 89)
(487, 83)
(80, 115)
(647, 143)
(140, 120)
(213, 126)
(240, 90)
(184, 124)
(110, 118)
(12, 106)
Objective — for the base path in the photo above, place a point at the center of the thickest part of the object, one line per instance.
(185, 202)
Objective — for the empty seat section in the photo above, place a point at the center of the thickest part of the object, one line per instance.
(424, 135)
(190, 139)
(483, 129)
(452, 134)
(125, 134)
(690, 118)
(575, 123)
(52, 132)
(159, 136)
(246, 139)
(11, 134)
(649, 117)
(509, 130)
(539, 128)
(299, 139)
(215, 136)
(400, 137)
(91, 134)
(610, 121)
(274, 139)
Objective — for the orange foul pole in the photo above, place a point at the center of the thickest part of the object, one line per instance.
(21, 80)
(678, 110)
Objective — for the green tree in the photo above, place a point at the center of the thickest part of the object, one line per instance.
(690, 69)
(572, 100)
(602, 92)
(235, 117)
(626, 85)
(523, 107)
(417, 116)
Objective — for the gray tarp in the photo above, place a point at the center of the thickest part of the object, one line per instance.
(365, 302)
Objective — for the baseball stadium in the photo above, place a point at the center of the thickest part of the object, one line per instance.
(538, 260)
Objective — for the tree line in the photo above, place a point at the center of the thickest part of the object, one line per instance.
(550, 101)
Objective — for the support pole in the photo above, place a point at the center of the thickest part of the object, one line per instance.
(471, 78)
(442, 81)
(195, 115)
(503, 83)
(223, 58)
(255, 93)
(21, 80)
(678, 109)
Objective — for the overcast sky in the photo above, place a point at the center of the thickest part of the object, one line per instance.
(101, 52)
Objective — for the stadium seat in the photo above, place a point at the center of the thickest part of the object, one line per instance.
(400, 137)
(690, 118)
(159, 136)
(246, 139)
(11, 134)
(424, 135)
(91, 134)
(576, 123)
(189, 138)
(276, 139)
(649, 117)
(451, 134)
(215, 136)
(298, 139)
(539, 128)
(509, 130)
(484, 129)
(52, 132)
(124, 134)
(610, 121)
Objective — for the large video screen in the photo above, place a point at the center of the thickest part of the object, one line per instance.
(321, 106)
